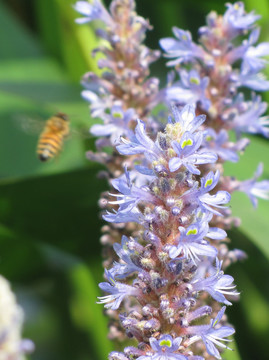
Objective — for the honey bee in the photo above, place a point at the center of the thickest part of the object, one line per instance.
(52, 137)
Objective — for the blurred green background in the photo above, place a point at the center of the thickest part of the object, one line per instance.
(49, 224)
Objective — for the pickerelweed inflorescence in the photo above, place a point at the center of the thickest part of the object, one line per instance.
(178, 277)
(212, 74)
(168, 209)
(123, 92)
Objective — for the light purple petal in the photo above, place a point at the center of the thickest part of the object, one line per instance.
(216, 233)
(174, 164)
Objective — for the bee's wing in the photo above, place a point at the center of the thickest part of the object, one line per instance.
(34, 126)
(80, 132)
(31, 126)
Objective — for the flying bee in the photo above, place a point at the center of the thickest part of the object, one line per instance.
(52, 137)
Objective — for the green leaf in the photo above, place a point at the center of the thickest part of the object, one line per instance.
(19, 43)
(261, 7)
(249, 315)
(86, 313)
(49, 222)
(257, 316)
(54, 208)
(70, 42)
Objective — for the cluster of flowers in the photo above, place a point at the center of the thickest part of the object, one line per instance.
(124, 91)
(121, 94)
(225, 61)
(174, 258)
(168, 219)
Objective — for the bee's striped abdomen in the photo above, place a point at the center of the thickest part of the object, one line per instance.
(51, 140)
(49, 145)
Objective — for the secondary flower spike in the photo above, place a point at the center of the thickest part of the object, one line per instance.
(213, 74)
(162, 273)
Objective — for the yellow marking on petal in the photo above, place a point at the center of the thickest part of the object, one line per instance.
(195, 80)
(117, 115)
(208, 182)
(209, 138)
(192, 232)
(187, 142)
(165, 343)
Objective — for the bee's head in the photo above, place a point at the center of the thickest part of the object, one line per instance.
(63, 116)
